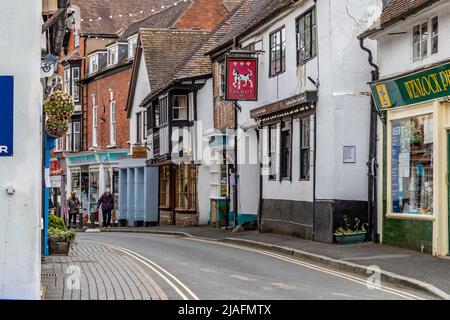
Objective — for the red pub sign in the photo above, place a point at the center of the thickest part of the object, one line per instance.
(241, 78)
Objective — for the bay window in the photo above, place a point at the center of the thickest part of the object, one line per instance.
(186, 187)
(164, 186)
(75, 87)
(113, 55)
(93, 63)
(179, 107)
(132, 46)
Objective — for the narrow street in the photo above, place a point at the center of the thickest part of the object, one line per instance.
(136, 266)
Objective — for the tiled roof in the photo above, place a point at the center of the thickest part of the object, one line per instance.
(397, 10)
(91, 10)
(163, 19)
(165, 50)
(248, 14)
(73, 55)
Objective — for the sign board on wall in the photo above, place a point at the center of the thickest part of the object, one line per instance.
(6, 116)
(418, 87)
(139, 152)
(241, 78)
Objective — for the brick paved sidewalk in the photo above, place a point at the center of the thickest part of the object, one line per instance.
(103, 273)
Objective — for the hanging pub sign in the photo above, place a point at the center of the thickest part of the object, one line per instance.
(6, 115)
(241, 78)
(430, 84)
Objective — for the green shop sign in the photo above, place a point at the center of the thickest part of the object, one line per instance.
(415, 88)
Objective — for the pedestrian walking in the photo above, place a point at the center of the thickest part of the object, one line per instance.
(73, 205)
(106, 202)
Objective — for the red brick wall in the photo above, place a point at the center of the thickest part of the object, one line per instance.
(203, 14)
(118, 83)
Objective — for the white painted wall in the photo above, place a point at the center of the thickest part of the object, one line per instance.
(205, 122)
(344, 101)
(20, 214)
(141, 91)
(395, 52)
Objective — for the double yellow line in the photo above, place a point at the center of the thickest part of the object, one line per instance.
(400, 293)
(180, 288)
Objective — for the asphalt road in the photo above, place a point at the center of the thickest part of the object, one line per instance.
(186, 268)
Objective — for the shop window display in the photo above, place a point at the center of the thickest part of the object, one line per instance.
(412, 165)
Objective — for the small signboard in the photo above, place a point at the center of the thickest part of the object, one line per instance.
(139, 152)
(241, 78)
(6, 116)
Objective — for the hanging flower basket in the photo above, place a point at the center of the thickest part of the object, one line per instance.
(59, 105)
(56, 128)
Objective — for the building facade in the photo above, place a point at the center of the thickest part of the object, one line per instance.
(312, 115)
(411, 94)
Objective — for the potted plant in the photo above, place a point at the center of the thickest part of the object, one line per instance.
(59, 238)
(351, 234)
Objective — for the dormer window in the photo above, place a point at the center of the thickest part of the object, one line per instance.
(113, 54)
(93, 63)
(132, 46)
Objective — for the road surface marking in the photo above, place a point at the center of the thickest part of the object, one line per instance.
(160, 292)
(355, 279)
(152, 265)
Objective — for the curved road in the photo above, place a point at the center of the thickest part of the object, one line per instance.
(186, 268)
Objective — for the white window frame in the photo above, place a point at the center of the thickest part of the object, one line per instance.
(67, 80)
(132, 46)
(163, 110)
(180, 108)
(75, 89)
(94, 121)
(69, 138)
(421, 42)
(113, 55)
(93, 66)
(112, 123)
(59, 144)
(76, 136)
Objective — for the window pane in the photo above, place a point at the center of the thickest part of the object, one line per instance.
(412, 165)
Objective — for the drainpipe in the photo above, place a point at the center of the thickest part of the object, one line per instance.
(60, 27)
(261, 156)
(372, 164)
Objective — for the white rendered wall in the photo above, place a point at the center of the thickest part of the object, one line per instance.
(141, 91)
(395, 52)
(20, 214)
(344, 102)
(205, 122)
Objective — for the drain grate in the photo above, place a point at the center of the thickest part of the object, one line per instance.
(48, 275)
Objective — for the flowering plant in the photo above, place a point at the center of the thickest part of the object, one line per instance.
(59, 105)
(56, 128)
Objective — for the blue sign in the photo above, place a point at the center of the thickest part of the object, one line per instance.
(6, 116)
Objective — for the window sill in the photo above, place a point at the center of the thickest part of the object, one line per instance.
(193, 211)
(276, 74)
(410, 216)
(299, 64)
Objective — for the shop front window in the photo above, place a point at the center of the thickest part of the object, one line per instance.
(412, 165)
(93, 190)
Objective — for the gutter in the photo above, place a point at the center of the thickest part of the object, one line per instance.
(372, 165)
(60, 27)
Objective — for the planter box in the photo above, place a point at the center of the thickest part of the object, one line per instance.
(350, 238)
(59, 248)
